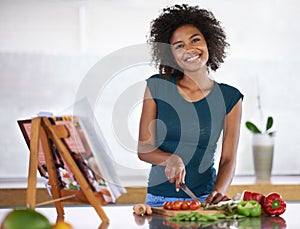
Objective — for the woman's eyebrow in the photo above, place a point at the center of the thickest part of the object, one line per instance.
(195, 35)
(176, 42)
(191, 37)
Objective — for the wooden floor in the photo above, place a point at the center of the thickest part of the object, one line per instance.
(11, 197)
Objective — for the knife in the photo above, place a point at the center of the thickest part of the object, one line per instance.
(188, 191)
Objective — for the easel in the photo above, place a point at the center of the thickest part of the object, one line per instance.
(42, 129)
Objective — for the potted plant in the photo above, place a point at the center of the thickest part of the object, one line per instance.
(254, 129)
(263, 149)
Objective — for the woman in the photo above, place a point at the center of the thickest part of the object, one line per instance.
(185, 111)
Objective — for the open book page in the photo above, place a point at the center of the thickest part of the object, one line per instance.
(99, 146)
(102, 156)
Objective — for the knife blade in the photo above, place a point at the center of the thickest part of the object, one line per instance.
(188, 191)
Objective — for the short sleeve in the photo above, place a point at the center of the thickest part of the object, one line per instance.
(152, 84)
(231, 96)
(158, 86)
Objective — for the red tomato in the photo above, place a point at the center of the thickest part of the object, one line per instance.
(186, 205)
(196, 204)
(167, 205)
(176, 205)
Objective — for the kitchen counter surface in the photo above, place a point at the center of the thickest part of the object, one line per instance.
(121, 216)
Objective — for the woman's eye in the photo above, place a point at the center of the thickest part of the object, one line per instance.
(195, 40)
(179, 46)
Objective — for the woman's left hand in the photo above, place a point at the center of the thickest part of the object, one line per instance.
(215, 197)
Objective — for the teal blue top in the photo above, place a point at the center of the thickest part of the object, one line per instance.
(190, 130)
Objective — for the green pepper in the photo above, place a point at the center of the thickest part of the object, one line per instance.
(249, 208)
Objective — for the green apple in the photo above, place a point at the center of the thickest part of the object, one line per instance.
(25, 219)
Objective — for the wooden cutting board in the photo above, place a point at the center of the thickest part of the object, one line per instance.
(162, 211)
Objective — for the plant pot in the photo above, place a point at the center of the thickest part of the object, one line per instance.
(263, 150)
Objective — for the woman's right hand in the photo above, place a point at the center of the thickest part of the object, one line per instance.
(175, 171)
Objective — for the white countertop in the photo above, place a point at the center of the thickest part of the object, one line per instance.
(121, 216)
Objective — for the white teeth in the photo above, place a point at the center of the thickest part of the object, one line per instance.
(192, 58)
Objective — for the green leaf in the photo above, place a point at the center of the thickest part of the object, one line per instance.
(269, 123)
(252, 127)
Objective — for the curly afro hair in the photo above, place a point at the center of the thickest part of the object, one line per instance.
(175, 16)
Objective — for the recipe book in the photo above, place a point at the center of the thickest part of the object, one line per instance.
(89, 150)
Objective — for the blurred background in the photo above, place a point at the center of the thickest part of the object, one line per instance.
(47, 48)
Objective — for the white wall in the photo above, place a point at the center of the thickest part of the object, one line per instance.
(48, 47)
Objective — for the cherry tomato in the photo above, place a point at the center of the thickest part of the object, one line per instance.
(186, 205)
(167, 205)
(176, 205)
(196, 204)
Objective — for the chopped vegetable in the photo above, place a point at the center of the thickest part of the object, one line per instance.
(228, 205)
(249, 208)
(274, 204)
(195, 216)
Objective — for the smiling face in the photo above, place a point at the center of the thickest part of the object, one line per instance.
(189, 49)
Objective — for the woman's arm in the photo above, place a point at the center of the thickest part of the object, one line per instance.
(228, 155)
(175, 170)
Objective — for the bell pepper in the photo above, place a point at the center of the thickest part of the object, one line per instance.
(249, 208)
(274, 204)
(260, 198)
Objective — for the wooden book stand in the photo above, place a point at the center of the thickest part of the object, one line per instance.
(42, 131)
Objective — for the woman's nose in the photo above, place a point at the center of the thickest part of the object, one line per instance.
(189, 46)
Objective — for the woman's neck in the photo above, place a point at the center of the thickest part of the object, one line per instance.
(198, 80)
